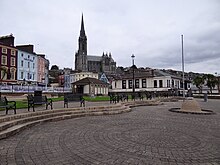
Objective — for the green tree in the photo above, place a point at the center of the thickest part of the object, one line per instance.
(54, 67)
(199, 82)
(3, 73)
(211, 81)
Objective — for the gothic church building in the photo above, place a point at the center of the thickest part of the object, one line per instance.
(87, 63)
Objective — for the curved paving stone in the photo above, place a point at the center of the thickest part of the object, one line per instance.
(147, 135)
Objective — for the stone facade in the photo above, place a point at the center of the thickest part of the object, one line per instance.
(90, 63)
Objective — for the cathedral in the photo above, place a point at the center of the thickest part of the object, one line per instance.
(87, 63)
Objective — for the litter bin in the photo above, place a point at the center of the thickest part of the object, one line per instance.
(38, 96)
(205, 97)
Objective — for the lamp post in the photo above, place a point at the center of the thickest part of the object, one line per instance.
(133, 87)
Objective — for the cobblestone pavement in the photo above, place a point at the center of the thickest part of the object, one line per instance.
(147, 135)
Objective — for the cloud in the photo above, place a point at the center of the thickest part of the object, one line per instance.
(149, 29)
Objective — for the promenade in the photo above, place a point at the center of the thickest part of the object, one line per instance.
(146, 135)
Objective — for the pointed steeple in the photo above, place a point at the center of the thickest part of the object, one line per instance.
(82, 30)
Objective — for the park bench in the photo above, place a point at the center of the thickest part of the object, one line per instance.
(39, 100)
(117, 98)
(4, 103)
(71, 97)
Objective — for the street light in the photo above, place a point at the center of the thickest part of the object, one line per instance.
(133, 87)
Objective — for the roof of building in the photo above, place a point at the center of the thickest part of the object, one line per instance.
(89, 80)
(94, 58)
(159, 73)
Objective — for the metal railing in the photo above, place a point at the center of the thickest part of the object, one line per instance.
(30, 88)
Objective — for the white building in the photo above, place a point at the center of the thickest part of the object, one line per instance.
(73, 77)
(146, 81)
(81, 75)
(90, 86)
(26, 67)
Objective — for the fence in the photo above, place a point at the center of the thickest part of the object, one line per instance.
(30, 88)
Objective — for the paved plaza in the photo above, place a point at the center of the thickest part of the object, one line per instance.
(146, 135)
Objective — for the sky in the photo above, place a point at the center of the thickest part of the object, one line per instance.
(149, 29)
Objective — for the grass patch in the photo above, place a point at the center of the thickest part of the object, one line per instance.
(57, 99)
(97, 98)
(23, 103)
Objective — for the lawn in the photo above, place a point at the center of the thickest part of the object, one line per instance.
(96, 98)
(23, 103)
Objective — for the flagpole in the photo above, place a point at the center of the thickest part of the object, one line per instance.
(183, 68)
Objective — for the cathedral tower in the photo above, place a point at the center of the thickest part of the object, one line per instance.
(81, 61)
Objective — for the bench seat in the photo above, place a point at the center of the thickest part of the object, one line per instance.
(4, 103)
(39, 100)
(69, 97)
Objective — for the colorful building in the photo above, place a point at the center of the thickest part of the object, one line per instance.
(8, 60)
(42, 72)
(27, 67)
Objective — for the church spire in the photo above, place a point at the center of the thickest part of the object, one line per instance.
(82, 30)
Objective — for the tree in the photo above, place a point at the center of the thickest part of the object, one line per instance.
(199, 82)
(3, 73)
(54, 67)
(211, 81)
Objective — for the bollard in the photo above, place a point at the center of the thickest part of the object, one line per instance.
(205, 97)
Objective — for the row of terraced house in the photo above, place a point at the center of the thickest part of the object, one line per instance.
(21, 65)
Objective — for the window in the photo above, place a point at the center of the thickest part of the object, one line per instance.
(177, 84)
(161, 83)
(123, 84)
(12, 61)
(22, 54)
(168, 83)
(4, 60)
(137, 83)
(155, 83)
(4, 50)
(22, 75)
(22, 63)
(12, 74)
(28, 64)
(13, 52)
(33, 65)
(144, 84)
(28, 56)
(130, 84)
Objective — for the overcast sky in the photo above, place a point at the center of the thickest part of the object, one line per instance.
(149, 29)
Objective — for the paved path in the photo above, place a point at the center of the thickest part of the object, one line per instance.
(147, 135)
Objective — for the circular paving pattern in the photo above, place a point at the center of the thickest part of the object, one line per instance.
(160, 138)
(147, 135)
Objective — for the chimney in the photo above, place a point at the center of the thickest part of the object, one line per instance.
(26, 48)
(7, 40)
